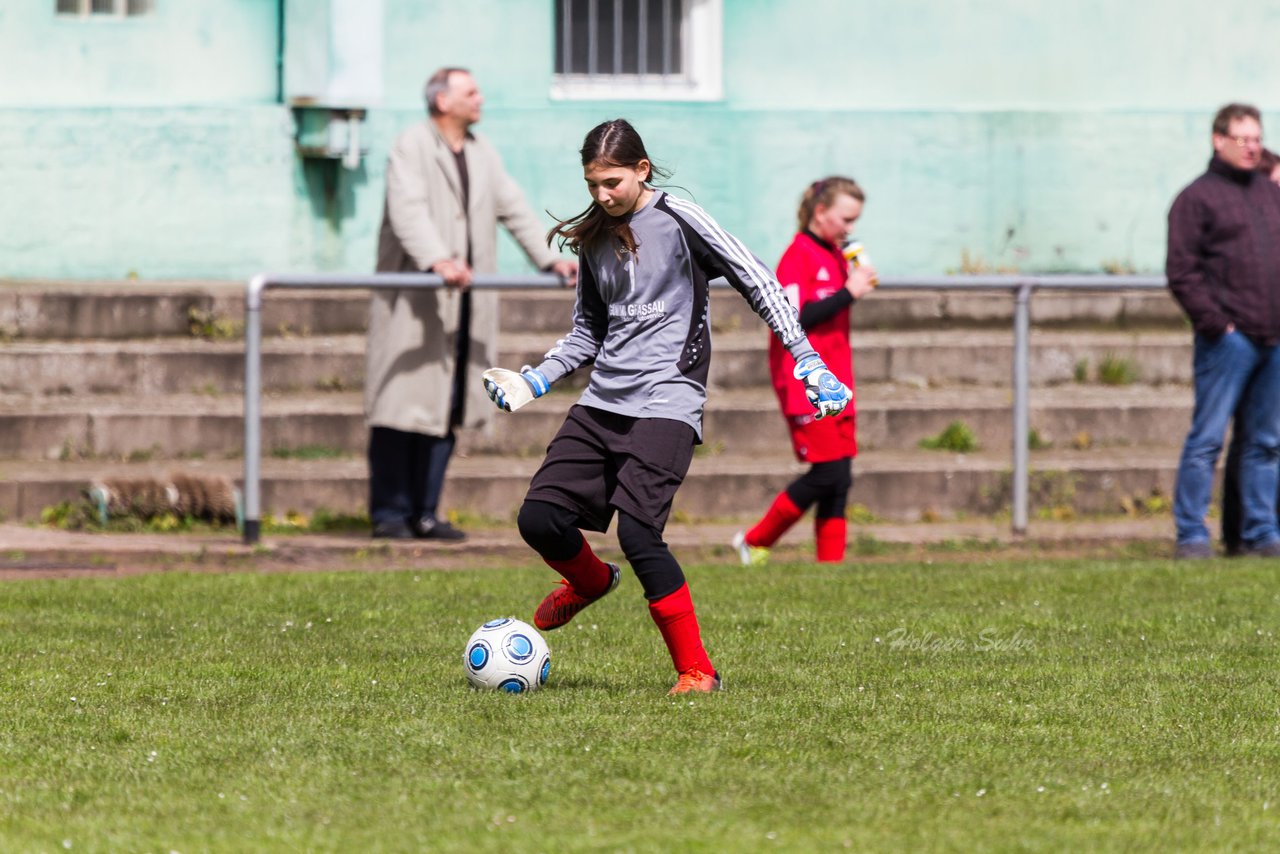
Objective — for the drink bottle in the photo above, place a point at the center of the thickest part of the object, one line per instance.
(856, 254)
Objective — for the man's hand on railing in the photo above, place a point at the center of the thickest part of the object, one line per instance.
(567, 270)
(456, 274)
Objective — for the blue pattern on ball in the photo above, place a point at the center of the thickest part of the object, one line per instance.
(519, 648)
(478, 656)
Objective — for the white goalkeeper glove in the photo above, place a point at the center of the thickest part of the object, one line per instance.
(510, 391)
(825, 392)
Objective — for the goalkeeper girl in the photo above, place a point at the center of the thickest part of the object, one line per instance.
(817, 279)
(641, 315)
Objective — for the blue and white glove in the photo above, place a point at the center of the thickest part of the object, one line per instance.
(826, 393)
(510, 390)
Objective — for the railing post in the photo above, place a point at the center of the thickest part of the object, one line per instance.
(252, 490)
(1021, 404)
(253, 409)
(1021, 286)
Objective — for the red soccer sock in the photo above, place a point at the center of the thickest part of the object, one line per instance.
(829, 535)
(780, 516)
(675, 618)
(587, 574)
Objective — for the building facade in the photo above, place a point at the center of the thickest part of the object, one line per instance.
(166, 138)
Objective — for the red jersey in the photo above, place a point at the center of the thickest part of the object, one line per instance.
(809, 271)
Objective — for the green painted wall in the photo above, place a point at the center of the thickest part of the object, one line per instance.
(179, 191)
(214, 52)
(1088, 55)
(1014, 133)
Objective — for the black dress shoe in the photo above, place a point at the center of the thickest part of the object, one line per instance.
(434, 529)
(1271, 549)
(392, 531)
(1199, 550)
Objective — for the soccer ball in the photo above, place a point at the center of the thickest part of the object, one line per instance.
(507, 655)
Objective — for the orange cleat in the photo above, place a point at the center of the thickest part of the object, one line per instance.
(696, 682)
(563, 603)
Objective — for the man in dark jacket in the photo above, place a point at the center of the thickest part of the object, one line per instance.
(1223, 267)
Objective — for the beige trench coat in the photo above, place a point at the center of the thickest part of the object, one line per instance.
(413, 333)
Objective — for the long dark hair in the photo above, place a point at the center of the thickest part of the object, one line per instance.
(611, 143)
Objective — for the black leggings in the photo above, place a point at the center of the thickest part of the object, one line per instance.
(827, 485)
(552, 531)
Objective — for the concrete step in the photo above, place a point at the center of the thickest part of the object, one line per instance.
(1049, 309)
(52, 310)
(174, 426)
(550, 311)
(334, 363)
(743, 421)
(931, 357)
(43, 552)
(55, 310)
(896, 417)
(178, 366)
(894, 485)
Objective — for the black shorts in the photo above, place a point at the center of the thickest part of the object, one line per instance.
(600, 462)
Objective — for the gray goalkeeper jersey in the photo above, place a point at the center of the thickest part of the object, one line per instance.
(645, 317)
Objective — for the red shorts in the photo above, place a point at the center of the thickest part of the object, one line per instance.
(822, 441)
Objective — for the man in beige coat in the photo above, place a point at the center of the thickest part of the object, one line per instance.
(446, 192)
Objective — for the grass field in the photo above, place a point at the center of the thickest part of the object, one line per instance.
(980, 704)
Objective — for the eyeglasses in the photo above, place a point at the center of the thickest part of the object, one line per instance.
(1243, 141)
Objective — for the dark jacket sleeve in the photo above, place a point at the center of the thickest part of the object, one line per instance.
(1185, 265)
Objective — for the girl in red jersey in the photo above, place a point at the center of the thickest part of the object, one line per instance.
(817, 279)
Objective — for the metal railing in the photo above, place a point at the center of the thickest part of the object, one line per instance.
(1018, 286)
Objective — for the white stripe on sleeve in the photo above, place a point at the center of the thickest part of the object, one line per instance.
(755, 273)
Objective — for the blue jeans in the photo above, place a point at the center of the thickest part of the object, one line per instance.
(1232, 507)
(1232, 370)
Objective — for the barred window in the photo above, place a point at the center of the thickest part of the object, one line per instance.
(103, 8)
(668, 49)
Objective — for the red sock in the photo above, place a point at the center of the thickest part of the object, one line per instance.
(586, 573)
(781, 515)
(830, 537)
(675, 618)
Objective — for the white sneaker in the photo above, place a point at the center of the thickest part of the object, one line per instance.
(749, 555)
